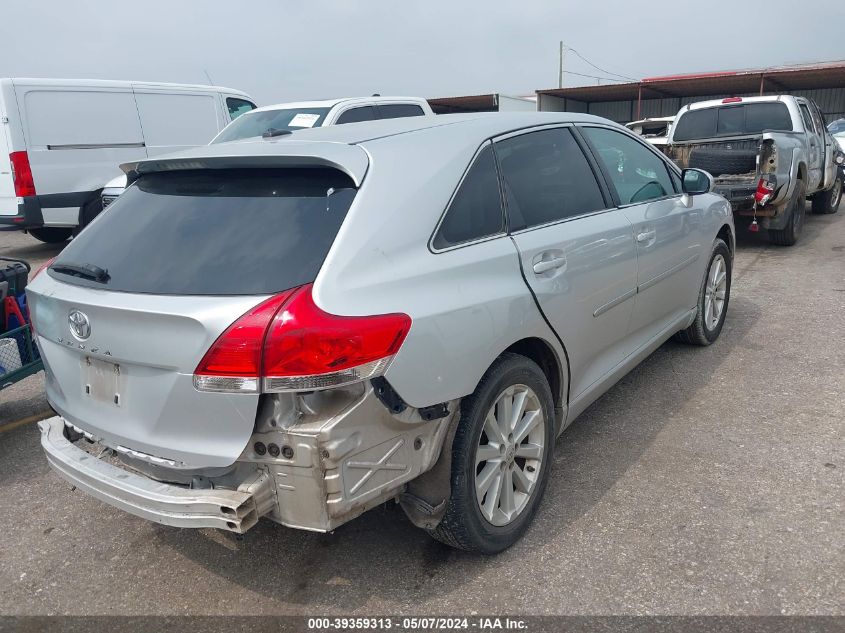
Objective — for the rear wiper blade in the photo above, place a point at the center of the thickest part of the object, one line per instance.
(272, 132)
(85, 271)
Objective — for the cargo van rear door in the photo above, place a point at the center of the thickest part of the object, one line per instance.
(8, 201)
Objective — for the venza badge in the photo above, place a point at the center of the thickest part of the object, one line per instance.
(80, 327)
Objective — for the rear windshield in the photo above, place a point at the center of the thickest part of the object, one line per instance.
(213, 232)
(254, 123)
(733, 120)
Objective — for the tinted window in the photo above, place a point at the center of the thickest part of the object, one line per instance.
(808, 120)
(749, 118)
(255, 124)
(399, 110)
(215, 232)
(730, 121)
(237, 107)
(476, 209)
(547, 178)
(766, 116)
(637, 172)
(355, 115)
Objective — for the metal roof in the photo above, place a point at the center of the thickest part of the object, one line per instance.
(781, 78)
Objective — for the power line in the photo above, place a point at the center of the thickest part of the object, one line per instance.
(606, 72)
(570, 72)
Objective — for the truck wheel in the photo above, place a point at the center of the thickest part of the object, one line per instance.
(788, 235)
(501, 456)
(713, 299)
(51, 234)
(88, 212)
(828, 201)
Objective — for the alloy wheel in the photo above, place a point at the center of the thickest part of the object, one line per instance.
(715, 292)
(509, 454)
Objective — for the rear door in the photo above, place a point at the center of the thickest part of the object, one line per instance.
(668, 231)
(8, 200)
(186, 254)
(816, 149)
(577, 253)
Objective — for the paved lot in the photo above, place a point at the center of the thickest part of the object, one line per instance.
(709, 481)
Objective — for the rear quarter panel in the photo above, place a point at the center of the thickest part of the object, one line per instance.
(467, 305)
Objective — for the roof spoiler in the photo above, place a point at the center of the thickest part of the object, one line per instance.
(349, 159)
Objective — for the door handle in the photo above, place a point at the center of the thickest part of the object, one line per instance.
(646, 236)
(545, 266)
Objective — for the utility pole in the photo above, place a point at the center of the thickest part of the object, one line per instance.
(562, 56)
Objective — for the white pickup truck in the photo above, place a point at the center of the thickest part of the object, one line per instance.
(767, 156)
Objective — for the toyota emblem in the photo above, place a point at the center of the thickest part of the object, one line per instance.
(80, 327)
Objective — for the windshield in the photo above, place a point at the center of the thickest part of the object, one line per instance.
(256, 123)
(837, 127)
(211, 232)
(733, 120)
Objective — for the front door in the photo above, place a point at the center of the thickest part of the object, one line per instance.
(577, 254)
(667, 226)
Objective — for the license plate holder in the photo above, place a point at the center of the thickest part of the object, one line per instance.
(103, 381)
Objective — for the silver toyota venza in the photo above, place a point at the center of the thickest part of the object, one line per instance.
(305, 326)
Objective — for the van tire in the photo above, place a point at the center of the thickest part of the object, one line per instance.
(464, 526)
(51, 234)
(828, 201)
(788, 235)
(88, 212)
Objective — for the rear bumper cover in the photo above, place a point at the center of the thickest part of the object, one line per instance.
(233, 510)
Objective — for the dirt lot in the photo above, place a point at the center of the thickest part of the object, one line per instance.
(709, 481)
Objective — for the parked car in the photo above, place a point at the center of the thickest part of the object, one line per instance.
(340, 317)
(62, 140)
(767, 154)
(655, 130)
(288, 117)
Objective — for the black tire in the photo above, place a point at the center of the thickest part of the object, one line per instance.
(788, 235)
(699, 333)
(51, 234)
(828, 201)
(88, 212)
(464, 526)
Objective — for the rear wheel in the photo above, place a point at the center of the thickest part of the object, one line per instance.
(712, 299)
(500, 458)
(51, 234)
(88, 212)
(788, 235)
(828, 201)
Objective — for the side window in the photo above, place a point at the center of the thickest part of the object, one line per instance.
(356, 115)
(637, 173)
(676, 181)
(399, 110)
(476, 208)
(808, 120)
(547, 178)
(237, 107)
(818, 117)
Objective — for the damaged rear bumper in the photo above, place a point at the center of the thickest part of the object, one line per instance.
(233, 510)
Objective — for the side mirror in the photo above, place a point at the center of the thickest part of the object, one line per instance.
(696, 181)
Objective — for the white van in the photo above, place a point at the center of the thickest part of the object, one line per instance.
(61, 141)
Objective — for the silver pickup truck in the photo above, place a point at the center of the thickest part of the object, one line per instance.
(767, 156)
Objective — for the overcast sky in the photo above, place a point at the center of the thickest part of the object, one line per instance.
(281, 51)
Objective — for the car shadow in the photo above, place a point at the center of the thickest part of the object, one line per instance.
(381, 555)
(32, 249)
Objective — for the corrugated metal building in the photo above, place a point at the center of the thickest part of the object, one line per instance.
(664, 96)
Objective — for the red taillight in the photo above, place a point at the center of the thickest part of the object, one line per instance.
(289, 344)
(765, 189)
(42, 267)
(732, 100)
(22, 174)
